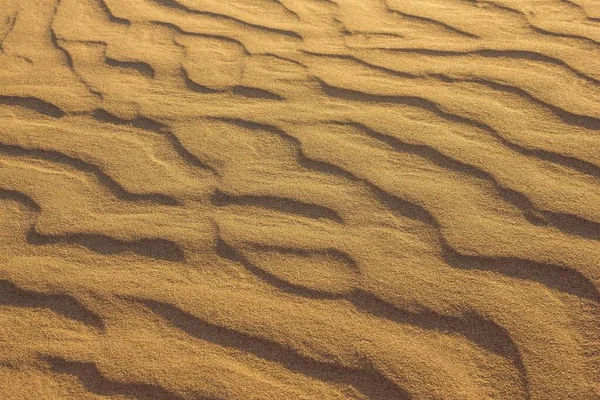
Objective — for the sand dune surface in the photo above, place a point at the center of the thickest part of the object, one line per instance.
(300, 199)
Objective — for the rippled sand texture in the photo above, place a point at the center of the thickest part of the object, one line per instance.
(299, 199)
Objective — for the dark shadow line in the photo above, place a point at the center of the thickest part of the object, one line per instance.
(62, 304)
(368, 380)
(282, 204)
(111, 17)
(93, 380)
(33, 103)
(154, 248)
(228, 252)
(568, 223)
(483, 332)
(149, 124)
(19, 197)
(569, 118)
(331, 253)
(115, 188)
(552, 276)
(141, 67)
(255, 93)
(196, 87)
(178, 6)
(432, 21)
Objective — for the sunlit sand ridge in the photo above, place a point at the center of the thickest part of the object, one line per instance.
(299, 199)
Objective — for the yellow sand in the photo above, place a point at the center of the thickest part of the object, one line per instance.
(299, 199)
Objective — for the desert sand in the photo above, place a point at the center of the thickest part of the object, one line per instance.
(299, 199)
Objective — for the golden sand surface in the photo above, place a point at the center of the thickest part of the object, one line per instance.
(299, 199)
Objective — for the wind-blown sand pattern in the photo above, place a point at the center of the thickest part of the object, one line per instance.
(300, 199)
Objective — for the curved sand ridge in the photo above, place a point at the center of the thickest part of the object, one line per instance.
(299, 199)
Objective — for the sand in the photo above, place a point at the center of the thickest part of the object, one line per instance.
(299, 199)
